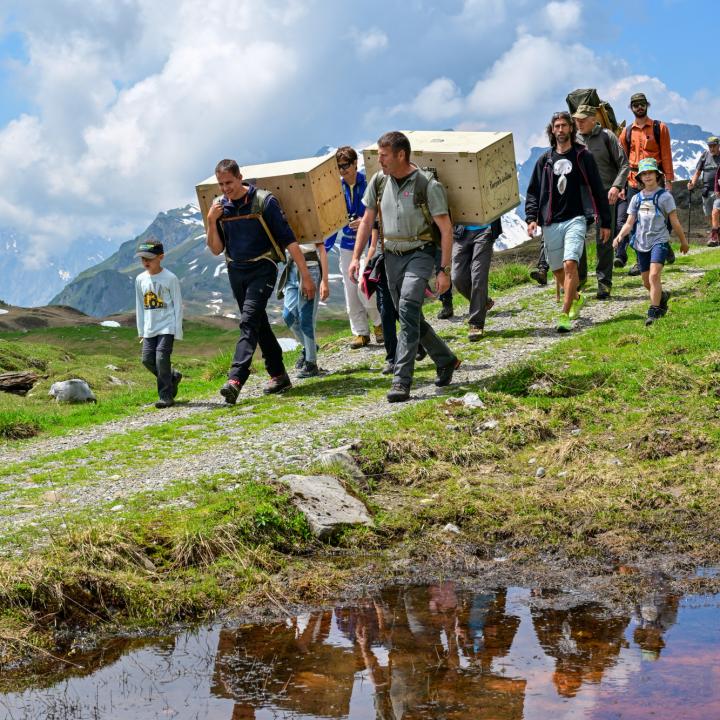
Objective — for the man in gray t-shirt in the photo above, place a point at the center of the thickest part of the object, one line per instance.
(705, 170)
(409, 245)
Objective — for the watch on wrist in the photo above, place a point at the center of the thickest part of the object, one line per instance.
(447, 269)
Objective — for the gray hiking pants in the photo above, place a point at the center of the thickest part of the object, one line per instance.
(471, 258)
(407, 277)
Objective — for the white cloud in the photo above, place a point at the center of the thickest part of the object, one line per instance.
(370, 42)
(440, 100)
(563, 17)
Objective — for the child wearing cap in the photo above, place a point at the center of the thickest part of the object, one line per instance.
(159, 319)
(648, 214)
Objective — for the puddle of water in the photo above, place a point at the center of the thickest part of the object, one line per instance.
(413, 653)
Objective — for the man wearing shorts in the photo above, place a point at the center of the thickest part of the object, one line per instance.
(564, 196)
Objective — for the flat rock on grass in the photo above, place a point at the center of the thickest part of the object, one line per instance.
(325, 503)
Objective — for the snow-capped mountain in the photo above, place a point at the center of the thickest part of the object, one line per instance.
(34, 283)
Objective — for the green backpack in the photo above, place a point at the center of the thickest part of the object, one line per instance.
(420, 199)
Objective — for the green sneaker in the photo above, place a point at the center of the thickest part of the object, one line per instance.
(576, 306)
(564, 324)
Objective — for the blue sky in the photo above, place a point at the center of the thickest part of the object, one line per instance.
(112, 111)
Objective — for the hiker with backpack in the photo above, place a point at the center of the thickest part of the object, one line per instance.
(707, 166)
(613, 167)
(249, 226)
(644, 138)
(411, 207)
(564, 196)
(650, 209)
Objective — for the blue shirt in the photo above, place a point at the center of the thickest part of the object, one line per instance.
(353, 203)
(247, 239)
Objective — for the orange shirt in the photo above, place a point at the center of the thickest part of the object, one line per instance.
(643, 145)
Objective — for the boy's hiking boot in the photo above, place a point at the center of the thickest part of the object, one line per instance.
(230, 391)
(475, 333)
(176, 378)
(664, 297)
(539, 275)
(654, 313)
(564, 324)
(603, 292)
(634, 271)
(714, 240)
(160, 404)
(310, 369)
(378, 333)
(388, 369)
(398, 393)
(447, 310)
(359, 341)
(277, 384)
(445, 373)
(576, 307)
(670, 259)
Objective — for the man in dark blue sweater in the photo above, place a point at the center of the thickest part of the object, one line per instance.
(249, 226)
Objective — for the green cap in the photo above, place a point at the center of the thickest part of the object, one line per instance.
(639, 97)
(648, 165)
(585, 111)
(713, 140)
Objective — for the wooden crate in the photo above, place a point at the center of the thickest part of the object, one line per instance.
(309, 192)
(478, 169)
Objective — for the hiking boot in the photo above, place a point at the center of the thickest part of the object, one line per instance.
(635, 270)
(421, 353)
(564, 324)
(670, 259)
(378, 333)
(447, 310)
(359, 341)
(445, 373)
(160, 404)
(310, 369)
(230, 391)
(489, 304)
(300, 362)
(654, 313)
(475, 333)
(603, 292)
(389, 368)
(176, 378)
(576, 307)
(539, 275)
(618, 262)
(664, 297)
(714, 240)
(277, 384)
(398, 393)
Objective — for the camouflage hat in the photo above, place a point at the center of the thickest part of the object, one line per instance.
(639, 97)
(648, 165)
(585, 111)
(713, 140)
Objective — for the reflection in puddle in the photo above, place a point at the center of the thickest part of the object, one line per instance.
(418, 652)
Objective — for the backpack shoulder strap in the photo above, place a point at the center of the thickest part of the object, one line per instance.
(257, 209)
(656, 131)
(628, 133)
(379, 181)
(656, 201)
(420, 200)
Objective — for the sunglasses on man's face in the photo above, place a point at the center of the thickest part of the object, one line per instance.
(344, 166)
(639, 105)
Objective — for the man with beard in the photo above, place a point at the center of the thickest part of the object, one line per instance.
(707, 166)
(564, 196)
(645, 138)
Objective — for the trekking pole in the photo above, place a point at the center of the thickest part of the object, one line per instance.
(689, 212)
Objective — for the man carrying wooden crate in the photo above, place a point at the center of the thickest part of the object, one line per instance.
(411, 206)
(248, 225)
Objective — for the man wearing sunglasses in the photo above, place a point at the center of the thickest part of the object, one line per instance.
(645, 138)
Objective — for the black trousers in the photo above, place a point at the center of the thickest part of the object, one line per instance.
(156, 352)
(471, 258)
(252, 285)
(388, 317)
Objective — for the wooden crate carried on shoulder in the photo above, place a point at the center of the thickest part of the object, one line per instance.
(308, 190)
(478, 170)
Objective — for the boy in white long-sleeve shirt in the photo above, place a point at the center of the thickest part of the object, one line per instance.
(159, 319)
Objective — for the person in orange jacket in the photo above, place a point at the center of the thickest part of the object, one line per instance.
(645, 138)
